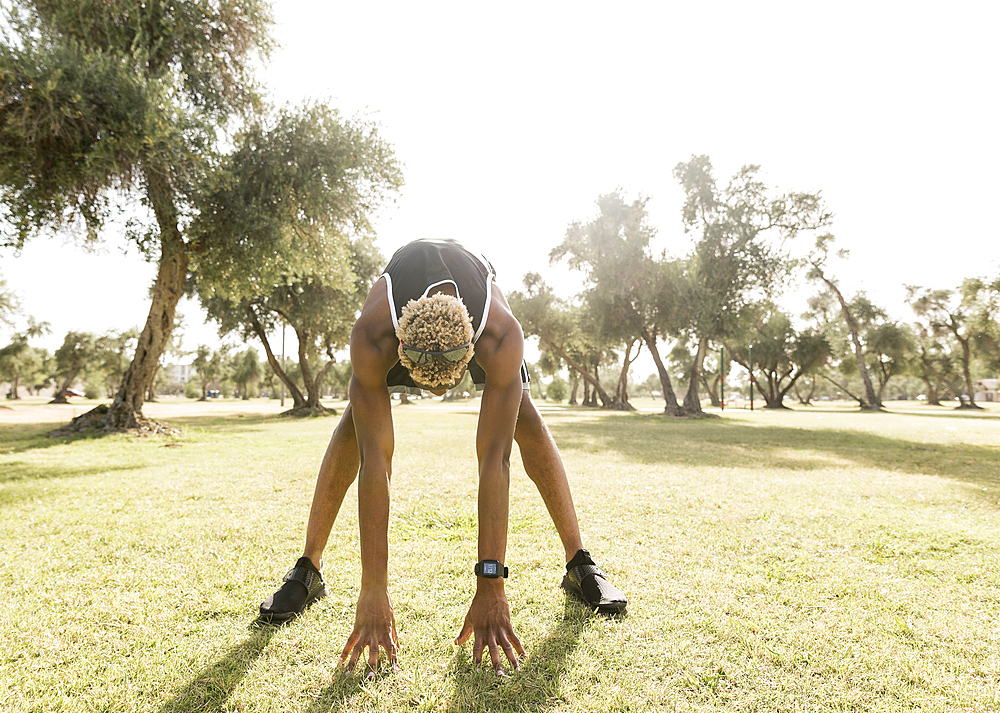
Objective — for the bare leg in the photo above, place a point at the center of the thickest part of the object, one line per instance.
(338, 470)
(544, 466)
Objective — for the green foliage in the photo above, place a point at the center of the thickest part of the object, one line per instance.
(10, 305)
(74, 357)
(94, 94)
(20, 363)
(629, 294)
(557, 390)
(563, 330)
(113, 353)
(247, 371)
(209, 366)
(282, 205)
(782, 354)
(954, 315)
(739, 257)
(285, 235)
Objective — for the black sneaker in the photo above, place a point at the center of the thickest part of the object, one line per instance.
(302, 586)
(589, 583)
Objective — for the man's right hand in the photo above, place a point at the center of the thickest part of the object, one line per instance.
(374, 626)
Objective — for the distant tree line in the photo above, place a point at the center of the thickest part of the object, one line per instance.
(699, 313)
(264, 212)
(96, 364)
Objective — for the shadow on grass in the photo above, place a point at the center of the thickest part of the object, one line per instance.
(651, 440)
(536, 687)
(926, 411)
(21, 437)
(212, 687)
(14, 471)
(20, 481)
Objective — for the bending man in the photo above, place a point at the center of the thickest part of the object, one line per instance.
(435, 312)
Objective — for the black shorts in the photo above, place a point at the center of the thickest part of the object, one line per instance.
(399, 380)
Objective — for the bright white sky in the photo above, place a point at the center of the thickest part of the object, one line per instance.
(511, 119)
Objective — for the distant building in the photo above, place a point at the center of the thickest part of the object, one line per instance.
(180, 373)
(988, 390)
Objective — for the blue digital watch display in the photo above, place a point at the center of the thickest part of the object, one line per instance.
(491, 569)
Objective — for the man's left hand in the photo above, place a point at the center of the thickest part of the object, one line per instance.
(489, 620)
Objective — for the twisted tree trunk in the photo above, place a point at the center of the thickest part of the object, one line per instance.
(125, 411)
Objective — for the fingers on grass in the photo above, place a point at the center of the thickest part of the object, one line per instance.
(463, 635)
(477, 649)
(511, 654)
(495, 657)
(350, 646)
(354, 658)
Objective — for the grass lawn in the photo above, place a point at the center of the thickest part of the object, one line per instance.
(807, 560)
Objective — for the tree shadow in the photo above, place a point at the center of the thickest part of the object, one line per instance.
(33, 436)
(650, 440)
(213, 686)
(347, 688)
(925, 411)
(21, 437)
(20, 481)
(536, 687)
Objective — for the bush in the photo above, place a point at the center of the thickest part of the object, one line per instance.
(558, 390)
(192, 390)
(92, 390)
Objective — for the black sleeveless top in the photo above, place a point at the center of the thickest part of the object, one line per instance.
(419, 266)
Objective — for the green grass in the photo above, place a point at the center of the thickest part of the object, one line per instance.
(816, 559)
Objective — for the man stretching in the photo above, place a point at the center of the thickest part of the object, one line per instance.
(435, 312)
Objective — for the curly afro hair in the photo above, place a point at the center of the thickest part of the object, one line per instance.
(435, 323)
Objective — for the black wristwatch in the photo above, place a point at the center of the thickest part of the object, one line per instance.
(491, 569)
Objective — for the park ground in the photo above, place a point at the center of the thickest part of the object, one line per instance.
(816, 559)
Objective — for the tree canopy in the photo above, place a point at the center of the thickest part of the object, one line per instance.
(154, 105)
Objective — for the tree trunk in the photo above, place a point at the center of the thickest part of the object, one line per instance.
(74, 368)
(712, 389)
(312, 389)
(574, 383)
(621, 392)
(125, 411)
(584, 373)
(151, 391)
(873, 401)
(312, 383)
(670, 407)
(298, 401)
(967, 374)
(692, 403)
(842, 387)
(807, 399)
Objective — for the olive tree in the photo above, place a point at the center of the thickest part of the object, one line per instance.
(739, 256)
(103, 104)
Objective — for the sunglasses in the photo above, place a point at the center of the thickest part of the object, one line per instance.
(420, 356)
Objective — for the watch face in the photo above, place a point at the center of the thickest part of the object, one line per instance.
(490, 569)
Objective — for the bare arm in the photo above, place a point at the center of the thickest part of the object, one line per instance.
(372, 354)
(500, 352)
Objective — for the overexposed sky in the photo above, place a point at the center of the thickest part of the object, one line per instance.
(511, 119)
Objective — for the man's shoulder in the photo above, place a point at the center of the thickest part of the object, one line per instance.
(374, 334)
(502, 341)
